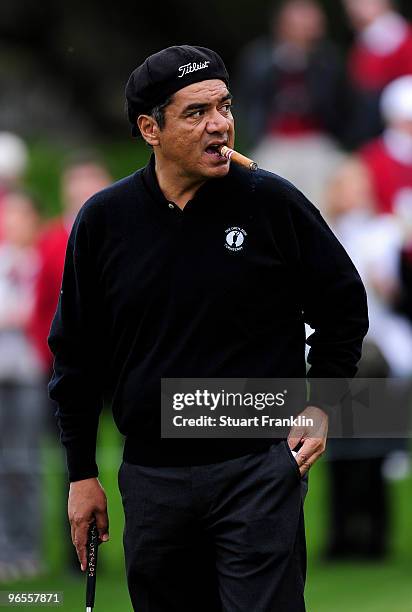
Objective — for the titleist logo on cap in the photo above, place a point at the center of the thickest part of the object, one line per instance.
(192, 67)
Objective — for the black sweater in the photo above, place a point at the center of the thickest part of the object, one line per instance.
(150, 291)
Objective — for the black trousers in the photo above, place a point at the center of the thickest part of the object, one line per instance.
(226, 537)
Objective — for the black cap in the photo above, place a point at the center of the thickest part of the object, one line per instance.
(167, 71)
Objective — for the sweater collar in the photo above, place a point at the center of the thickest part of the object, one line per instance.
(203, 195)
(152, 185)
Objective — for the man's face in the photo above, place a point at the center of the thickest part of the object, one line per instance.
(198, 119)
(402, 125)
(80, 182)
(300, 22)
(21, 221)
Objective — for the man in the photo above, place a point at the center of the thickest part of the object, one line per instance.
(148, 293)
(382, 52)
(21, 392)
(291, 94)
(389, 157)
(82, 176)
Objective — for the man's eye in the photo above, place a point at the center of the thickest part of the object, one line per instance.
(197, 114)
(227, 108)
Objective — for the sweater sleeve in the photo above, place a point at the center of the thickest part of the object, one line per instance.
(334, 305)
(75, 342)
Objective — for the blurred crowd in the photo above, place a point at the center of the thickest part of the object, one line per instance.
(32, 251)
(338, 128)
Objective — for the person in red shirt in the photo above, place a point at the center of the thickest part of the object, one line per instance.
(81, 178)
(291, 92)
(381, 53)
(389, 157)
(21, 394)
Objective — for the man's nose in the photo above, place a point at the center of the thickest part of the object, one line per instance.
(217, 123)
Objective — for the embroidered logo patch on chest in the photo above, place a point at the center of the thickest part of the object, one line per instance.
(235, 238)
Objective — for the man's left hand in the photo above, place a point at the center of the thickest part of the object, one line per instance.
(313, 438)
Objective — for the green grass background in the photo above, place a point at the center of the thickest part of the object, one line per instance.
(331, 587)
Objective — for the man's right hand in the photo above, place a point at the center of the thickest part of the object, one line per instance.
(87, 501)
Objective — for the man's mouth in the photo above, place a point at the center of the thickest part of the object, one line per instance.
(213, 149)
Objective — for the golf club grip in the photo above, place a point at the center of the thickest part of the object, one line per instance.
(92, 548)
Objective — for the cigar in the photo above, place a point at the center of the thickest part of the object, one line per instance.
(238, 158)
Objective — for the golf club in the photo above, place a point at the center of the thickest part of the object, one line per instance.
(92, 548)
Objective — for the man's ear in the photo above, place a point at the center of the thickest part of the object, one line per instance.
(149, 129)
